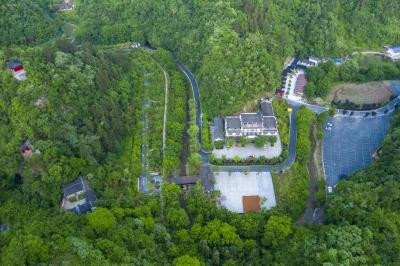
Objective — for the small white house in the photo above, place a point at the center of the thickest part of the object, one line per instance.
(135, 45)
(393, 52)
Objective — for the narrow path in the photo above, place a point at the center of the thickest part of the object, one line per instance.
(166, 89)
(314, 175)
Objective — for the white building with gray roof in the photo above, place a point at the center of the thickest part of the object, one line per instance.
(78, 197)
(251, 125)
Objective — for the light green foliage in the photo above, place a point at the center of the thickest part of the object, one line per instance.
(186, 260)
(217, 233)
(260, 141)
(243, 141)
(101, 220)
(291, 189)
(305, 119)
(206, 141)
(230, 143)
(277, 229)
(282, 115)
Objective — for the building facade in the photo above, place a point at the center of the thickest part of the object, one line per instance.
(251, 125)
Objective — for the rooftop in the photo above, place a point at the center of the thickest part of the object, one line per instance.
(251, 203)
(74, 187)
(185, 180)
(11, 64)
(217, 129)
(251, 118)
(269, 122)
(301, 82)
(266, 108)
(233, 122)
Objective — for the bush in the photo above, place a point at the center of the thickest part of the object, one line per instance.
(260, 141)
(219, 144)
(230, 143)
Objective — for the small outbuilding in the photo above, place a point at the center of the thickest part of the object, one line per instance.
(217, 129)
(26, 149)
(136, 45)
(393, 51)
(17, 69)
(78, 197)
(185, 182)
(66, 5)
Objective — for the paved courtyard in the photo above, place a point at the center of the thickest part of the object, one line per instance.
(236, 185)
(349, 145)
(244, 152)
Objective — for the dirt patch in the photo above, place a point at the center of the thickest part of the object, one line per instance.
(365, 93)
(251, 203)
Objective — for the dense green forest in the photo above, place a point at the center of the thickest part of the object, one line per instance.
(82, 109)
(362, 226)
(27, 22)
(235, 47)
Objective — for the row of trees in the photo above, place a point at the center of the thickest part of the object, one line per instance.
(176, 116)
(359, 69)
(305, 119)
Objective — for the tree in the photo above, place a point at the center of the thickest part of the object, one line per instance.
(186, 260)
(277, 229)
(101, 220)
(260, 141)
(230, 143)
(243, 141)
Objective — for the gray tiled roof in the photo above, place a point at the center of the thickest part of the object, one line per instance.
(266, 108)
(185, 180)
(251, 118)
(74, 187)
(269, 122)
(233, 122)
(217, 129)
(13, 63)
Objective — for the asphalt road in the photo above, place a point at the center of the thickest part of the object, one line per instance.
(293, 129)
(195, 90)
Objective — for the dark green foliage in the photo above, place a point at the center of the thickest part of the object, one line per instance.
(26, 22)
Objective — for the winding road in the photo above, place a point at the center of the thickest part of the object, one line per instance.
(252, 168)
(293, 129)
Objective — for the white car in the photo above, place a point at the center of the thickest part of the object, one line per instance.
(330, 189)
(329, 124)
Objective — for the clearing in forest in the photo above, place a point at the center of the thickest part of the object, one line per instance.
(365, 93)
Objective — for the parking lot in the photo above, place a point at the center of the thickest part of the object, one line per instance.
(250, 150)
(349, 144)
(233, 186)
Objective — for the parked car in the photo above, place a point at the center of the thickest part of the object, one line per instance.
(329, 189)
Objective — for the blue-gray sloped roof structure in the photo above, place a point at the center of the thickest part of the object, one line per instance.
(13, 63)
(233, 122)
(395, 48)
(217, 129)
(74, 187)
(251, 118)
(266, 108)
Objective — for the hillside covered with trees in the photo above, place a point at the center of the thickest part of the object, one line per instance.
(82, 110)
(236, 47)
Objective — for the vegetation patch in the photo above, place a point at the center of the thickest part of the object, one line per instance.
(374, 92)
